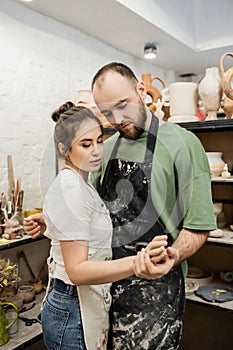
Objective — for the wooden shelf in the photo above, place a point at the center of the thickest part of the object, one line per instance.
(219, 180)
(209, 125)
(7, 244)
(226, 239)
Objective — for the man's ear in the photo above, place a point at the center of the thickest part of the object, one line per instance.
(141, 89)
(61, 148)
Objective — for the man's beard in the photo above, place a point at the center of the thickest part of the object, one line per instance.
(137, 130)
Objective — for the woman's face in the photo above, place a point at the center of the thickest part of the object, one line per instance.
(87, 147)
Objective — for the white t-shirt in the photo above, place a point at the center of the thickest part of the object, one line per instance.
(73, 210)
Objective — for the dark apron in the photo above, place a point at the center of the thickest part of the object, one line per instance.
(145, 314)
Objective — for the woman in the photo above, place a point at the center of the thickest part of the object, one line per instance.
(80, 230)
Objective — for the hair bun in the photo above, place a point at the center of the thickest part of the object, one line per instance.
(60, 110)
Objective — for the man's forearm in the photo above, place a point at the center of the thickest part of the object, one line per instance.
(188, 242)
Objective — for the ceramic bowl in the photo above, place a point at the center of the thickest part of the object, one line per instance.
(196, 274)
(190, 286)
(37, 285)
(27, 292)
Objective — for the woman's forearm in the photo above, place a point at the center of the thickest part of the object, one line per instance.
(98, 272)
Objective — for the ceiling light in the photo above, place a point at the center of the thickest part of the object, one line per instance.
(25, 0)
(150, 51)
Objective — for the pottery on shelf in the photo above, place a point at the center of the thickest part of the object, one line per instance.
(227, 106)
(27, 292)
(183, 101)
(201, 276)
(226, 77)
(210, 92)
(152, 91)
(215, 162)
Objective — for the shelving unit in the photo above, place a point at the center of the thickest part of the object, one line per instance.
(27, 335)
(216, 254)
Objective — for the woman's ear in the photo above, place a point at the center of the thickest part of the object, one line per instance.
(61, 148)
(141, 89)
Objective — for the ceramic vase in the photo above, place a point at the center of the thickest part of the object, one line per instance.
(215, 162)
(210, 92)
(152, 91)
(226, 77)
(227, 106)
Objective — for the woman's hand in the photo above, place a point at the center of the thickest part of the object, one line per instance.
(155, 260)
(34, 225)
(145, 268)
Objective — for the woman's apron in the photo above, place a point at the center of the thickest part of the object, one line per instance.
(146, 314)
(95, 302)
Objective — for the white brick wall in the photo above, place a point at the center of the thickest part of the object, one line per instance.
(42, 64)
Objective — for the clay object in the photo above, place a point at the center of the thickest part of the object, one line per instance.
(199, 275)
(183, 100)
(226, 77)
(215, 162)
(210, 92)
(152, 91)
(227, 106)
(27, 292)
(218, 233)
(37, 285)
(190, 286)
(215, 293)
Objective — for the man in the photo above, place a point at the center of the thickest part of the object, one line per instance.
(155, 180)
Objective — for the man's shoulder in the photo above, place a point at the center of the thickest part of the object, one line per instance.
(173, 131)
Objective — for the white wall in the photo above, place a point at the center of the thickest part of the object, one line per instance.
(42, 64)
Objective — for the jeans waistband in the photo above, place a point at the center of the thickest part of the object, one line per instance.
(70, 289)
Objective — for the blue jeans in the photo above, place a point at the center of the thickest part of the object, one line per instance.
(61, 320)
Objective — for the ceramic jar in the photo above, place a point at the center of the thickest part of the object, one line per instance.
(215, 162)
(183, 99)
(210, 92)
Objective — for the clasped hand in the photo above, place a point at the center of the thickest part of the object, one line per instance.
(156, 260)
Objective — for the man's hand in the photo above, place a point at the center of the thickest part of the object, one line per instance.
(156, 249)
(155, 260)
(34, 225)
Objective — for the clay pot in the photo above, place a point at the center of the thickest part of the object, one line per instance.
(226, 77)
(152, 91)
(27, 292)
(37, 285)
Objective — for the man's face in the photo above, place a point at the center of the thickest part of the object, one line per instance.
(122, 104)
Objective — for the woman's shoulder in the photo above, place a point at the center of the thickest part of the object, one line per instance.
(66, 183)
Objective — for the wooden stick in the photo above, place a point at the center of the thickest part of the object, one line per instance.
(10, 175)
